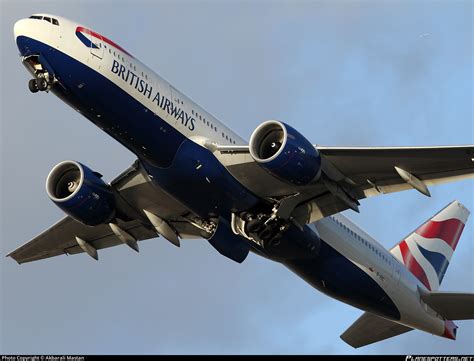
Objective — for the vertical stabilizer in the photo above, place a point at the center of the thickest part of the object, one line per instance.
(428, 250)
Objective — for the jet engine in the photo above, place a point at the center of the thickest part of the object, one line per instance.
(81, 193)
(285, 153)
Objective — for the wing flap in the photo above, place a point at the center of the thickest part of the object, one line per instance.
(370, 328)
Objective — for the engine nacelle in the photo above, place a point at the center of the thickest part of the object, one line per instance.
(80, 193)
(285, 153)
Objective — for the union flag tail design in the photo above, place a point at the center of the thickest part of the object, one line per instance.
(427, 251)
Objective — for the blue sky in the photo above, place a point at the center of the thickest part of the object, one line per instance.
(342, 73)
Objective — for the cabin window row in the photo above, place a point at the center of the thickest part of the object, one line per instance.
(364, 241)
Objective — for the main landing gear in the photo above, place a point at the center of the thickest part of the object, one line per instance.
(43, 79)
(39, 84)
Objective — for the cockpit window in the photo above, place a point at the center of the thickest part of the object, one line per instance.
(45, 18)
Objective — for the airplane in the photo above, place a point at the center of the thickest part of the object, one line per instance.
(277, 196)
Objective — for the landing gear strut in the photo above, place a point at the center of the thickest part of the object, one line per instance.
(261, 227)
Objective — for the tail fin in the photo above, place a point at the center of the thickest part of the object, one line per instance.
(428, 250)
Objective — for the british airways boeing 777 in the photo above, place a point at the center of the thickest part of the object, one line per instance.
(278, 196)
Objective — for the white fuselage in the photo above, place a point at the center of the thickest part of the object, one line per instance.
(392, 276)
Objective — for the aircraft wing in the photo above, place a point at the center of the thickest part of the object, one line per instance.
(431, 165)
(134, 193)
(355, 173)
(370, 328)
(61, 239)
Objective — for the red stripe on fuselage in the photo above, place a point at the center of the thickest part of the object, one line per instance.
(449, 231)
(412, 264)
(101, 37)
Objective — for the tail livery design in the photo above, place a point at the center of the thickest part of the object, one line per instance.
(427, 251)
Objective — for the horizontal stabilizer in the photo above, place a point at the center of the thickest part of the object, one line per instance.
(450, 305)
(370, 328)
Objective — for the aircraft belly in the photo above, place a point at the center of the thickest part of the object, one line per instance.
(335, 275)
(186, 170)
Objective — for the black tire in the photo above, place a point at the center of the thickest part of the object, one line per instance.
(254, 226)
(42, 84)
(267, 234)
(33, 86)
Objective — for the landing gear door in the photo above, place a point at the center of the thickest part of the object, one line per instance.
(97, 46)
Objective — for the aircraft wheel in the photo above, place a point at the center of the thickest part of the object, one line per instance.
(42, 84)
(254, 226)
(268, 233)
(33, 86)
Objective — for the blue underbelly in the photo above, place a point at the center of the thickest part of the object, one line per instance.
(335, 275)
(169, 156)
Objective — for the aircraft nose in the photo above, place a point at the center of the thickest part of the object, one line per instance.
(19, 28)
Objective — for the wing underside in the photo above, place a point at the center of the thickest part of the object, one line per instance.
(135, 194)
(350, 174)
(61, 239)
(355, 173)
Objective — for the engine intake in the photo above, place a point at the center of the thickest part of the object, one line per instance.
(80, 193)
(285, 153)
